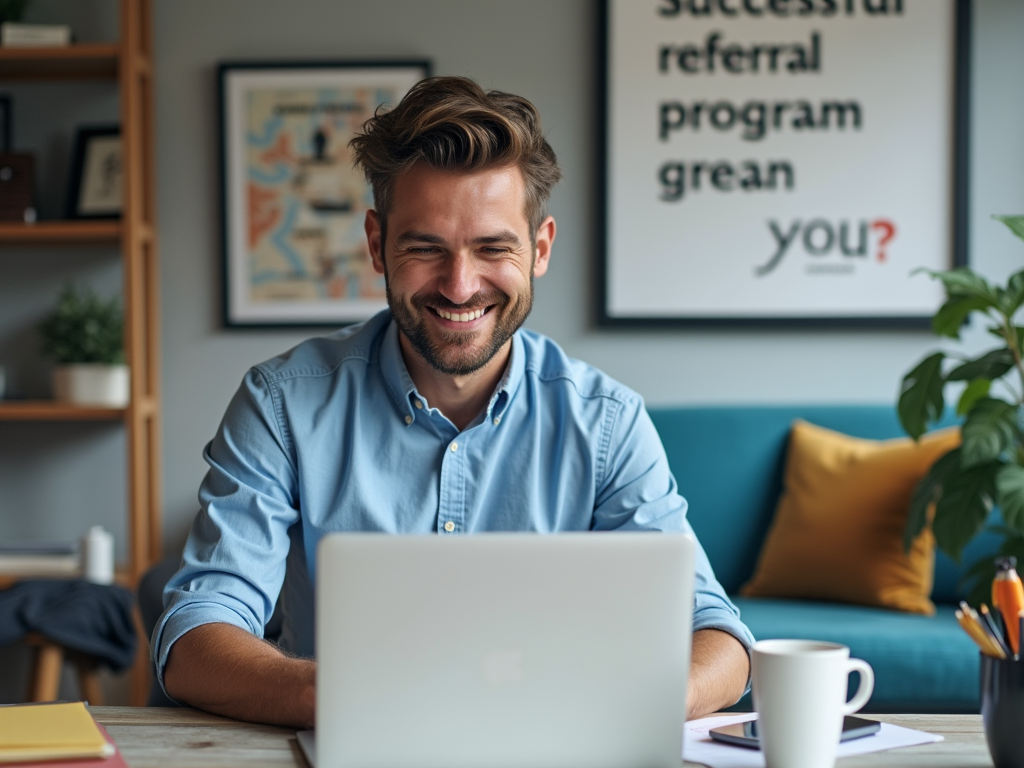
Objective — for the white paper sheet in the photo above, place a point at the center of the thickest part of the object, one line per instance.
(698, 747)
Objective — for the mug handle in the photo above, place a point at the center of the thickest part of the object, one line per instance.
(867, 685)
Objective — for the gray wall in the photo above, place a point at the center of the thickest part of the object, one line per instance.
(545, 50)
(57, 479)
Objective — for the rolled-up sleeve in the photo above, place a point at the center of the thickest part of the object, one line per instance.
(638, 492)
(233, 564)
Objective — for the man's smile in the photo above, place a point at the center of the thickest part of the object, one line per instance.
(460, 317)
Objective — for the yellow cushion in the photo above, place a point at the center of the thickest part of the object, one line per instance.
(838, 529)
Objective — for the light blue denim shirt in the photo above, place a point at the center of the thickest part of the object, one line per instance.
(333, 436)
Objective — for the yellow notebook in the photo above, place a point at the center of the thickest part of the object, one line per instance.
(49, 731)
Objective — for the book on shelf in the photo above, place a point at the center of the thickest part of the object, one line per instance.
(37, 548)
(14, 35)
(54, 734)
(43, 559)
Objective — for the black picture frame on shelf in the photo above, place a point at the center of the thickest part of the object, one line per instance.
(292, 204)
(6, 125)
(740, 190)
(96, 183)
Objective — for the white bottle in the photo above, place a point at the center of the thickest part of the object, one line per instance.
(98, 556)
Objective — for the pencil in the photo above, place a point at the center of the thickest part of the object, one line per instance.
(978, 635)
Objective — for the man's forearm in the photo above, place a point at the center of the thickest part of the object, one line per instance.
(719, 670)
(225, 670)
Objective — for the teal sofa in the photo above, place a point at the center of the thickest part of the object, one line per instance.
(728, 462)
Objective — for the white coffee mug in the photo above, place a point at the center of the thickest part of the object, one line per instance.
(800, 698)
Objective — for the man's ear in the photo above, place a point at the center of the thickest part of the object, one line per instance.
(545, 240)
(373, 239)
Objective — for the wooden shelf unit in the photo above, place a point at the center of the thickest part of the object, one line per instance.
(61, 232)
(127, 64)
(51, 410)
(72, 62)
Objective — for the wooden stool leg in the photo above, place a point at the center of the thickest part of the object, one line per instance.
(89, 683)
(46, 674)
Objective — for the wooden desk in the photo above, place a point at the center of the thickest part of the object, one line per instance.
(186, 738)
(152, 737)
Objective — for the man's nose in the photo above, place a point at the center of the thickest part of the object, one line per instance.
(459, 279)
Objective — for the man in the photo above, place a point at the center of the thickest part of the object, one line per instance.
(436, 416)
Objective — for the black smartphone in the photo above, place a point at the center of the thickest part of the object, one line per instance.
(745, 734)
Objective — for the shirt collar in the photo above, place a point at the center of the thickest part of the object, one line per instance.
(403, 390)
(396, 375)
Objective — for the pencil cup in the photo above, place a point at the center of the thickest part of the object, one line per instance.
(1002, 709)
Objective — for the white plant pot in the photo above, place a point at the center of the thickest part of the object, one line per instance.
(92, 384)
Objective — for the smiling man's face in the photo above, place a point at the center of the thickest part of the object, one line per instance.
(459, 263)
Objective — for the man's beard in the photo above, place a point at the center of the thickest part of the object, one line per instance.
(450, 351)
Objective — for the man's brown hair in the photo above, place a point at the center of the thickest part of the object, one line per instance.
(452, 124)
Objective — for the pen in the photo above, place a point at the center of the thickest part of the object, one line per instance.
(1008, 598)
(989, 622)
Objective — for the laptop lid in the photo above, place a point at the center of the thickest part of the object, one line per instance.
(502, 650)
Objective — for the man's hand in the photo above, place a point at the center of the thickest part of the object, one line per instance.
(719, 670)
(225, 670)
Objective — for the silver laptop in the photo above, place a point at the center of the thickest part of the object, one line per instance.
(502, 650)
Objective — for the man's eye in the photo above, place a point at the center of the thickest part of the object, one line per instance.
(494, 251)
(422, 249)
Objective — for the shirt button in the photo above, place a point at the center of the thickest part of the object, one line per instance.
(449, 526)
(408, 419)
(455, 447)
(418, 403)
(497, 420)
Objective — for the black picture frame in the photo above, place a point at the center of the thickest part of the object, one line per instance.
(6, 124)
(96, 181)
(958, 195)
(290, 206)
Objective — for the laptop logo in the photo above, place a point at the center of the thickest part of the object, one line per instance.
(504, 668)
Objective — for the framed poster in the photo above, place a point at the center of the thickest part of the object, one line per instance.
(782, 161)
(293, 205)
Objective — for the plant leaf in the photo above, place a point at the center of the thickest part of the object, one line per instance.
(963, 281)
(953, 314)
(974, 391)
(1018, 330)
(926, 492)
(964, 505)
(1015, 223)
(990, 429)
(1013, 296)
(991, 365)
(921, 399)
(1010, 495)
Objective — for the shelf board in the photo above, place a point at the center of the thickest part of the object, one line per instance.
(51, 410)
(61, 232)
(72, 62)
(121, 576)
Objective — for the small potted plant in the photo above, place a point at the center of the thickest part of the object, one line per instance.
(85, 337)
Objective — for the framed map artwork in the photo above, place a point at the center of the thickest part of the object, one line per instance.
(293, 205)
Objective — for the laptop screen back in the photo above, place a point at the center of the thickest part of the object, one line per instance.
(501, 650)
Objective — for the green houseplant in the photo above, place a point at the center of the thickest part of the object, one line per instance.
(988, 468)
(84, 336)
